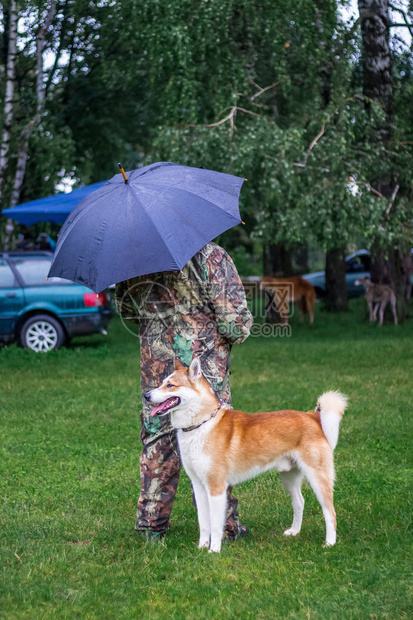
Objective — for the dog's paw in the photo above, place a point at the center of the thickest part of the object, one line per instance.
(203, 544)
(291, 532)
(329, 544)
(215, 548)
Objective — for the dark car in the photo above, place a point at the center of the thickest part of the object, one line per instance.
(43, 314)
(357, 266)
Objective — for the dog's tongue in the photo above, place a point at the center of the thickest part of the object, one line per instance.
(162, 407)
(157, 409)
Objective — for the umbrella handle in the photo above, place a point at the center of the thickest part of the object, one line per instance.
(123, 173)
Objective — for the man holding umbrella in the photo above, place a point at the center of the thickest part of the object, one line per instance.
(160, 220)
(198, 312)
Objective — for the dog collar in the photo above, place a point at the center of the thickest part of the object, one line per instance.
(192, 428)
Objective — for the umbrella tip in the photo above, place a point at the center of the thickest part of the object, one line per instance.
(245, 179)
(243, 223)
(123, 173)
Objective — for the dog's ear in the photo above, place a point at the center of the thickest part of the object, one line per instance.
(179, 365)
(195, 370)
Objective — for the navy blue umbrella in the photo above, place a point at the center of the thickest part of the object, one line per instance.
(51, 209)
(154, 221)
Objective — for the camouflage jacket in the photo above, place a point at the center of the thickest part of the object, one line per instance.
(200, 312)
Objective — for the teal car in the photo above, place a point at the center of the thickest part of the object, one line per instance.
(43, 314)
(357, 266)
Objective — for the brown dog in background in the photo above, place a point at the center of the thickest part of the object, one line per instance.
(285, 290)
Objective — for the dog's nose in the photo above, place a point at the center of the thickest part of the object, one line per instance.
(147, 396)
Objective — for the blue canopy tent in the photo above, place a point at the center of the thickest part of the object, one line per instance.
(52, 209)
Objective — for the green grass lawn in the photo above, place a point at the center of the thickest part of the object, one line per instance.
(69, 476)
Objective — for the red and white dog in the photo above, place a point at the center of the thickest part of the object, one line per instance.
(220, 447)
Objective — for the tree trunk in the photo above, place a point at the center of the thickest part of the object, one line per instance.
(335, 273)
(34, 122)
(394, 268)
(378, 79)
(382, 266)
(21, 162)
(11, 35)
(401, 285)
(9, 96)
(386, 264)
(271, 313)
(336, 286)
(277, 260)
(301, 259)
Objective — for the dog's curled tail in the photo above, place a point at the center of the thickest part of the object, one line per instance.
(331, 406)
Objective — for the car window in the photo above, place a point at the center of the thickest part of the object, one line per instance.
(7, 278)
(365, 259)
(354, 265)
(34, 270)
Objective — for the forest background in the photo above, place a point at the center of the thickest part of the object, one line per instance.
(310, 100)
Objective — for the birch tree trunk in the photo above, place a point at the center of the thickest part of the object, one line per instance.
(378, 79)
(21, 162)
(40, 100)
(9, 96)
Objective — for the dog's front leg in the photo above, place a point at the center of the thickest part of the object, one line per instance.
(381, 311)
(393, 307)
(217, 508)
(202, 505)
(372, 314)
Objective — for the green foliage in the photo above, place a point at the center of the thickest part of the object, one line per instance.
(311, 149)
(50, 159)
(294, 194)
(155, 80)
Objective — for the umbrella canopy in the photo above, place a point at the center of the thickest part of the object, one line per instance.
(156, 221)
(52, 209)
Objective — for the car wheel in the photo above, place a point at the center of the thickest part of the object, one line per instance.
(42, 333)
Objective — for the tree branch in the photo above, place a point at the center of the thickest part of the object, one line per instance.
(40, 42)
(59, 50)
(369, 187)
(230, 117)
(316, 139)
(392, 199)
(313, 143)
(262, 90)
(234, 109)
(407, 24)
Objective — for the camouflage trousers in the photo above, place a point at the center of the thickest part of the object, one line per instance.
(160, 467)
